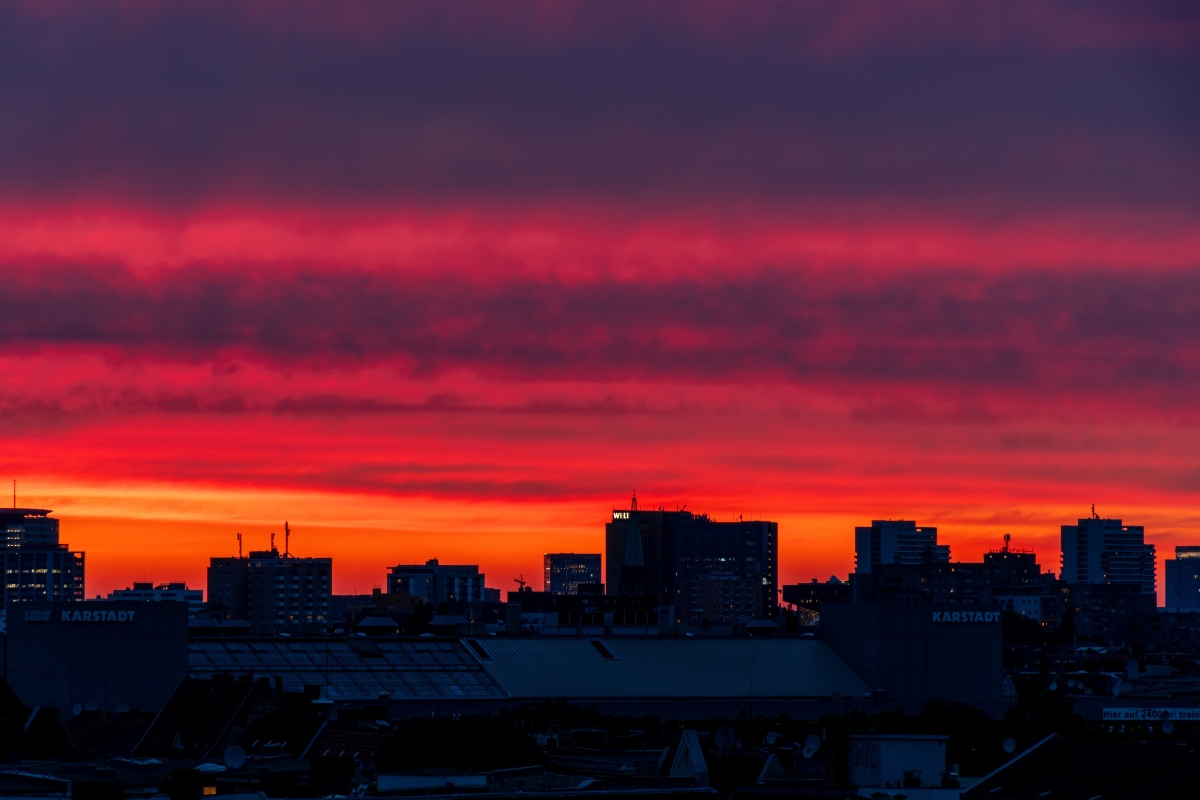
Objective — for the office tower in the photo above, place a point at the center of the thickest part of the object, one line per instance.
(687, 560)
(1183, 579)
(438, 583)
(899, 541)
(563, 572)
(36, 566)
(146, 590)
(274, 592)
(1105, 551)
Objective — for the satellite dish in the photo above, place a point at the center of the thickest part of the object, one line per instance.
(1010, 744)
(1168, 727)
(811, 742)
(724, 737)
(808, 752)
(235, 757)
(77, 710)
(770, 738)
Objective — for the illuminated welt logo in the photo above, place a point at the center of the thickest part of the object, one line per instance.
(97, 616)
(620, 515)
(966, 616)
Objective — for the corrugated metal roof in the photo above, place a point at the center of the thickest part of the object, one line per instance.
(669, 668)
(351, 669)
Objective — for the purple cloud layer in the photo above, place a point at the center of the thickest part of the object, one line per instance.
(982, 105)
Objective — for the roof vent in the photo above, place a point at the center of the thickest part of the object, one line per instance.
(602, 650)
(478, 649)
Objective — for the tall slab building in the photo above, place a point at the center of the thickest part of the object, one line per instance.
(716, 572)
(36, 565)
(896, 541)
(274, 592)
(1183, 579)
(1101, 551)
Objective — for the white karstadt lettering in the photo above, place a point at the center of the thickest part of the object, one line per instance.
(97, 616)
(966, 616)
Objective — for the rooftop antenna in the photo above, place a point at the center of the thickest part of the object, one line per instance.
(14, 492)
(273, 550)
(633, 503)
(1007, 539)
(1094, 514)
(520, 582)
(239, 545)
(287, 535)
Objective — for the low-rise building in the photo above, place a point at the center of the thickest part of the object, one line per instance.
(145, 590)
(437, 583)
(563, 573)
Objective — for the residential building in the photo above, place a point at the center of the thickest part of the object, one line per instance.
(725, 599)
(676, 555)
(1011, 578)
(438, 583)
(564, 572)
(163, 591)
(812, 595)
(1106, 551)
(36, 565)
(1106, 613)
(1183, 579)
(274, 592)
(888, 541)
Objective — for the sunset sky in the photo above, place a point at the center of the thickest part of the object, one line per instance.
(454, 279)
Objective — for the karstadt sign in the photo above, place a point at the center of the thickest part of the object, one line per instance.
(966, 616)
(81, 616)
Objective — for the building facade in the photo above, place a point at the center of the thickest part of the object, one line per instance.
(163, 591)
(1183, 579)
(913, 653)
(562, 573)
(901, 541)
(36, 565)
(98, 654)
(436, 583)
(688, 559)
(274, 593)
(1105, 551)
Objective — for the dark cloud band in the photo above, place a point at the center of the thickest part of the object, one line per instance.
(1076, 332)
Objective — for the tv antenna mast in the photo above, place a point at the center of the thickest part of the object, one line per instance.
(239, 545)
(273, 550)
(287, 535)
(521, 582)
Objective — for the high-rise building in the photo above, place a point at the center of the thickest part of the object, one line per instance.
(1183, 579)
(36, 566)
(274, 592)
(438, 583)
(685, 559)
(146, 590)
(1105, 551)
(899, 541)
(562, 573)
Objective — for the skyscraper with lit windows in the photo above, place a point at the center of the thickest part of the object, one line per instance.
(36, 565)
